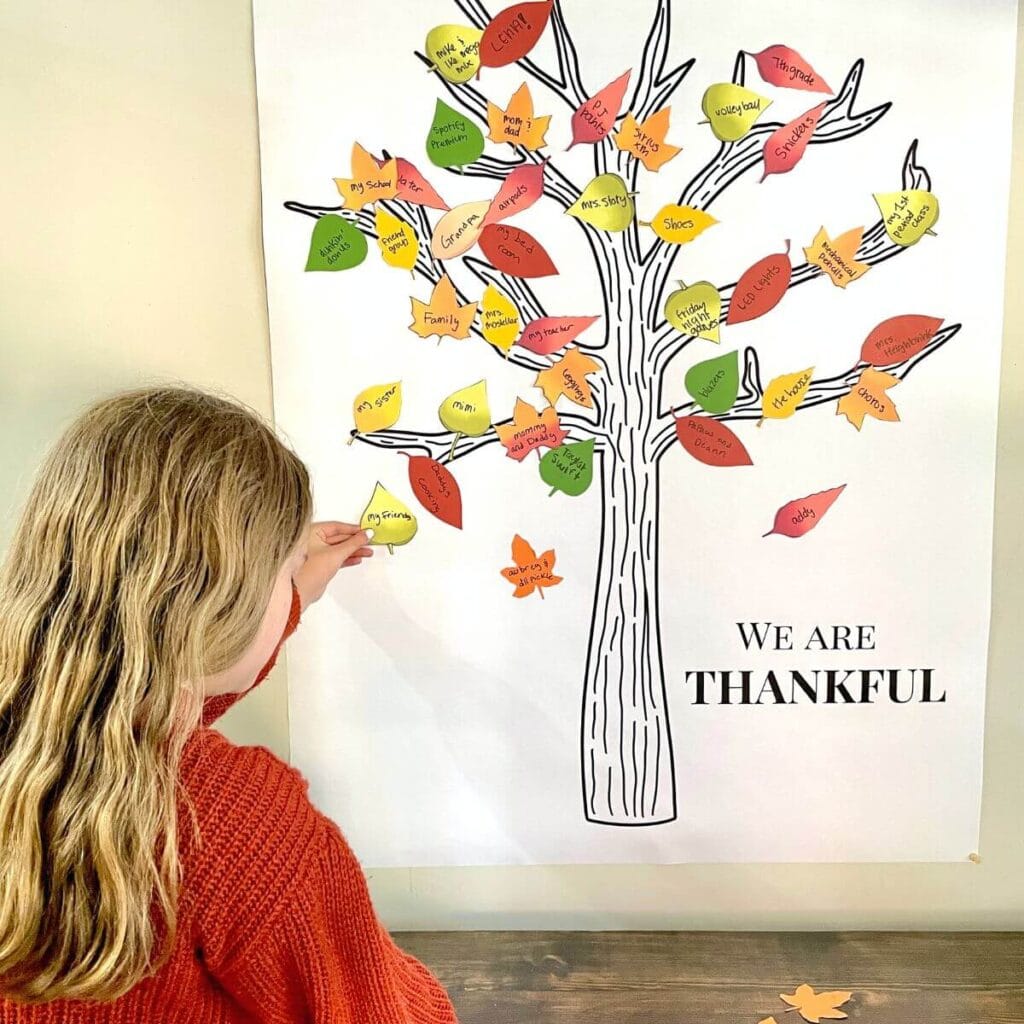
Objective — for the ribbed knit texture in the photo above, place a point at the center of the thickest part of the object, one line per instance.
(275, 921)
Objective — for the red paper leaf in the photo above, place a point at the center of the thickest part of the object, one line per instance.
(515, 252)
(519, 191)
(436, 489)
(899, 338)
(595, 117)
(785, 147)
(779, 65)
(412, 186)
(796, 518)
(550, 333)
(760, 287)
(512, 33)
(711, 442)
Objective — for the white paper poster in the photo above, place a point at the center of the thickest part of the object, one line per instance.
(675, 331)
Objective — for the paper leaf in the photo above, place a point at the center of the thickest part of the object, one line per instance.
(392, 522)
(336, 244)
(785, 147)
(550, 333)
(605, 203)
(679, 224)
(442, 315)
(453, 140)
(512, 33)
(568, 377)
(785, 393)
(514, 251)
(516, 124)
(370, 180)
(817, 1006)
(455, 51)
(466, 411)
(768, 1020)
(711, 442)
(529, 431)
(518, 192)
(530, 572)
(569, 468)
(837, 256)
(715, 383)
(499, 319)
(908, 215)
(397, 240)
(760, 287)
(647, 141)
(899, 338)
(732, 110)
(436, 489)
(414, 188)
(377, 407)
(595, 117)
(695, 309)
(796, 518)
(458, 230)
(779, 65)
(868, 398)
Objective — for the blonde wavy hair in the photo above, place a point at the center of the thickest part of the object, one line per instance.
(144, 560)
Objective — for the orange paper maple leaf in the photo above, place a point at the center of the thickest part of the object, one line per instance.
(816, 1006)
(568, 377)
(647, 141)
(442, 315)
(370, 181)
(836, 256)
(529, 431)
(517, 124)
(868, 398)
(530, 572)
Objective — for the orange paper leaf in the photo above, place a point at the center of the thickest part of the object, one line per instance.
(868, 398)
(568, 377)
(370, 181)
(837, 256)
(519, 191)
(516, 124)
(647, 141)
(442, 315)
(530, 572)
(899, 338)
(529, 431)
(816, 1006)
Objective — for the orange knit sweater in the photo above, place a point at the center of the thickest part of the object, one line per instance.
(275, 921)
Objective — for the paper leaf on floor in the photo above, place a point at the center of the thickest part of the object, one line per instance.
(783, 394)
(908, 215)
(711, 442)
(837, 256)
(414, 188)
(817, 1006)
(595, 117)
(453, 139)
(392, 522)
(714, 383)
(516, 123)
(466, 412)
(519, 191)
(569, 468)
(442, 315)
(781, 66)
(568, 377)
(512, 33)
(768, 1020)
(377, 407)
(499, 319)
(397, 240)
(455, 51)
(514, 251)
(370, 180)
(679, 224)
(868, 398)
(899, 338)
(530, 572)
(695, 309)
(760, 287)
(336, 244)
(529, 431)
(732, 110)
(605, 203)
(436, 489)
(794, 519)
(458, 230)
(647, 141)
(550, 333)
(785, 147)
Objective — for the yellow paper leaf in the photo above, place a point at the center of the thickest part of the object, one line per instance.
(785, 393)
(499, 318)
(455, 51)
(377, 407)
(568, 377)
(466, 411)
(392, 522)
(458, 230)
(695, 309)
(817, 1006)
(368, 182)
(647, 141)
(516, 124)
(868, 398)
(397, 240)
(837, 256)
(442, 315)
(679, 224)
(732, 109)
(605, 203)
(909, 214)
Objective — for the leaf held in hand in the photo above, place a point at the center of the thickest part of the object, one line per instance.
(817, 1006)
(569, 468)
(785, 147)
(436, 489)
(781, 66)
(529, 431)
(647, 141)
(530, 572)
(550, 333)
(760, 287)
(514, 251)
(512, 33)
(377, 407)
(453, 139)
(392, 522)
(568, 377)
(442, 315)
(595, 117)
(517, 124)
(837, 256)
(711, 442)
(336, 244)
(797, 517)
(899, 338)
(714, 383)
(868, 397)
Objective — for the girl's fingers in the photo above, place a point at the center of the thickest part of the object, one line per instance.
(341, 550)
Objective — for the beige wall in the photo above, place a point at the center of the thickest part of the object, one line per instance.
(131, 252)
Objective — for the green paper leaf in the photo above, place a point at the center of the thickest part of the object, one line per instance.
(714, 384)
(337, 244)
(453, 139)
(569, 468)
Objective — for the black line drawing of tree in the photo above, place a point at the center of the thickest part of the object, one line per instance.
(626, 751)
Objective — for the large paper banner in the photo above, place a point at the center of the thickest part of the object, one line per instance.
(660, 349)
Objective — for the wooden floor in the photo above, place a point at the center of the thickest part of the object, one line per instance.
(733, 977)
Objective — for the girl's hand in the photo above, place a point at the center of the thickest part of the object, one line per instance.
(332, 546)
